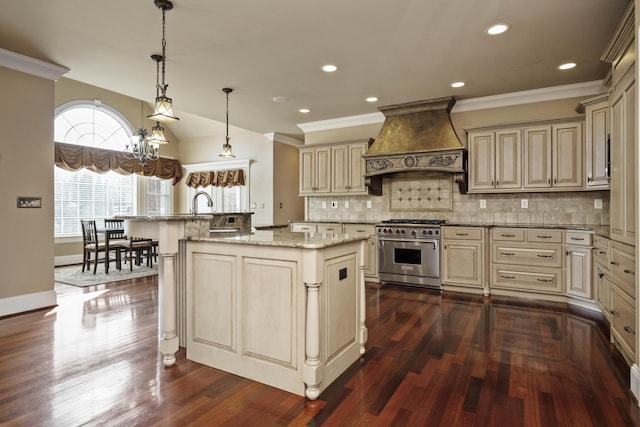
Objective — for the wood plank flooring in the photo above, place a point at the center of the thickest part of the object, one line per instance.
(432, 360)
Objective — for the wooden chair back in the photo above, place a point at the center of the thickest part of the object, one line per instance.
(89, 231)
(117, 224)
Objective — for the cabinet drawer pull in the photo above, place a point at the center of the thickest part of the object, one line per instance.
(544, 280)
(361, 231)
(544, 256)
(626, 270)
(544, 237)
(615, 313)
(462, 234)
(507, 253)
(502, 276)
(614, 263)
(600, 274)
(602, 252)
(629, 330)
(577, 238)
(508, 235)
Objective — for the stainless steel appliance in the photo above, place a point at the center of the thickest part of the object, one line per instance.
(409, 252)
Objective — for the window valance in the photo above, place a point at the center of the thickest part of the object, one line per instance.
(222, 178)
(75, 157)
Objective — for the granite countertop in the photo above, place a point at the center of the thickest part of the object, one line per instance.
(282, 238)
(179, 217)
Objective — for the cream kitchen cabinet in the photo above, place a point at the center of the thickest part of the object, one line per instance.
(315, 171)
(596, 111)
(578, 264)
(316, 227)
(601, 274)
(495, 160)
(463, 258)
(623, 298)
(371, 249)
(553, 156)
(348, 168)
(621, 54)
(527, 260)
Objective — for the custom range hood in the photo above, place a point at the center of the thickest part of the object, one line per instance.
(416, 136)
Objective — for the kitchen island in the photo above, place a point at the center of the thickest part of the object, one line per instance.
(285, 309)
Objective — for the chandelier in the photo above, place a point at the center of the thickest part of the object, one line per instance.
(163, 111)
(226, 148)
(141, 147)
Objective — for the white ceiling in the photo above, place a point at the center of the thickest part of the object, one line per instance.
(397, 50)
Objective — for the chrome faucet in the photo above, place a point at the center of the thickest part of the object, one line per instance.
(194, 204)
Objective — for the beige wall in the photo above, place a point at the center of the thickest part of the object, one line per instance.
(288, 206)
(26, 169)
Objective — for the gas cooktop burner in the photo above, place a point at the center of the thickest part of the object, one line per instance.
(415, 221)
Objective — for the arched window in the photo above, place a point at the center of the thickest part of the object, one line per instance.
(89, 195)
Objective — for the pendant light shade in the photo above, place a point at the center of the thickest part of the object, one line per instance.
(163, 111)
(226, 148)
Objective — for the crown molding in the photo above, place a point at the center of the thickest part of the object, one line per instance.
(530, 96)
(342, 122)
(486, 102)
(284, 139)
(27, 65)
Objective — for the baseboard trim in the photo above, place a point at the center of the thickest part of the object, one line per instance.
(634, 382)
(27, 302)
(68, 260)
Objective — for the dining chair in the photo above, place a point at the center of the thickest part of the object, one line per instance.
(92, 245)
(139, 247)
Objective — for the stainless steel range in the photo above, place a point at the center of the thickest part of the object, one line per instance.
(409, 252)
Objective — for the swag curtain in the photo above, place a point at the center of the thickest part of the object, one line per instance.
(223, 178)
(75, 157)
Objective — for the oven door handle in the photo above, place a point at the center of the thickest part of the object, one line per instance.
(433, 242)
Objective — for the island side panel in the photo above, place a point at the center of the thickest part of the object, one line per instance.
(269, 293)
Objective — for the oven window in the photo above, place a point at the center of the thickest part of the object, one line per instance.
(407, 256)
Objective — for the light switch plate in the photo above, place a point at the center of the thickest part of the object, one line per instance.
(324, 205)
(597, 203)
(346, 205)
(368, 204)
(524, 203)
(483, 204)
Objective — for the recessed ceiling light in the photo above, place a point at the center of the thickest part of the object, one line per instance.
(567, 66)
(457, 84)
(497, 29)
(304, 110)
(329, 68)
(372, 99)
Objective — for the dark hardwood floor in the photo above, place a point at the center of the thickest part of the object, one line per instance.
(432, 360)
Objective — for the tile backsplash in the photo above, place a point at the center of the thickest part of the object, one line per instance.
(417, 197)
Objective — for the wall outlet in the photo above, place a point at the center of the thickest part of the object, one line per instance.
(597, 203)
(368, 204)
(312, 205)
(483, 204)
(253, 205)
(324, 205)
(524, 203)
(346, 205)
(334, 204)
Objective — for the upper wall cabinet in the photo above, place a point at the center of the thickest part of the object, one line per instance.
(336, 169)
(597, 129)
(494, 160)
(544, 157)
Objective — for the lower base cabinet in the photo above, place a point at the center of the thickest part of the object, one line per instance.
(371, 249)
(623, 322)
(463, 256)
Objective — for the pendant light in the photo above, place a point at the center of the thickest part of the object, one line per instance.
(163, 111)
(157, 132)
(226, 148)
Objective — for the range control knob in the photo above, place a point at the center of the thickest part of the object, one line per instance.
(413, 232)
(402, 231)
(430, 232)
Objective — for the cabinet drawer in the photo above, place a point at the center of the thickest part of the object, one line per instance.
(578, 238)
(622, 266)
(360, 229)
(532, 254)
(508, 234)
(303, 228)
(601, 250)
(544, 236)
(329, 228)
(547, 280)
(462, 233)
(623, 321)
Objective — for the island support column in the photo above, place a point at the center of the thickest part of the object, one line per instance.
(168, 250)
(312, 372)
